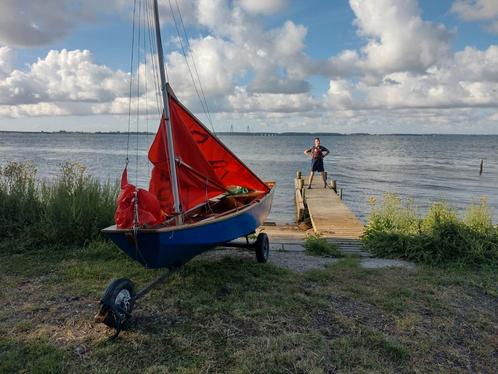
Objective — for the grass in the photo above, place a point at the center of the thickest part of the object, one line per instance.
(71, 209)
(440, 238)
(231, 314)
(316, 245)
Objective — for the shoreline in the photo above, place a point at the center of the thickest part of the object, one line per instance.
(240, 133)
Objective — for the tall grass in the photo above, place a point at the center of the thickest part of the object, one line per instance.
(440, 237)
(71, 209)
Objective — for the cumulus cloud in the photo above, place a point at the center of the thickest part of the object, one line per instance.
(473, 10)
(398, 38)
(262, 6)
(63, 76)
(243, 101)
(478, 10)
(60, 83)
(6, 60)
(469, 80)
(240, 48)
(405, 67)
(407, 63)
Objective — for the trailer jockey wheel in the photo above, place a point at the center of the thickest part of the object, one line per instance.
(262, 246)
(116, 304)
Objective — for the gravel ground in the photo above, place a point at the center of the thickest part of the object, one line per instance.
(301, 262)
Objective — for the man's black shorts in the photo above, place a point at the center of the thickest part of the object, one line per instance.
(317, 164)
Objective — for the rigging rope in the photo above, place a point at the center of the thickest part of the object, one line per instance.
(146, 89)
(143, 22)
(138, 87)
(131, 81)
(180, 38)
(153, 53)
(195, 65)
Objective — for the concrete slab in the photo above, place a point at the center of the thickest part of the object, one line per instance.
(380, 263)
(299, 262)
(293, 247)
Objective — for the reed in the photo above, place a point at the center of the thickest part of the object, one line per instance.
(440, 237)
(71, 209)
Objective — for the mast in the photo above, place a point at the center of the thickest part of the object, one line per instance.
(167, 122)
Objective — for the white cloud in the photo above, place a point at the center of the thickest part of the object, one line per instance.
(478, 10)
(6, 60)
(63, 76)
(241, 47)
(339, 94)
(243, 101)
(407, 64)
(405, 71)
(56, 84)
(218, 62)
(470, 79)
(473, 10)
(262, 6)
(398, 38)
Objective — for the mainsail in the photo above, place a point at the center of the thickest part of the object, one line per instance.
(205, 167)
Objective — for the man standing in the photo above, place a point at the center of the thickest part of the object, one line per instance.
(317, 154)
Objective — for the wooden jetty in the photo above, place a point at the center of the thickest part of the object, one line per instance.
(328, 214)
(324, 209)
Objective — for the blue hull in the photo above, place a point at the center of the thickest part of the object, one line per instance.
(176, 246)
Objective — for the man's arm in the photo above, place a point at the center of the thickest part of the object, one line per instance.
(307, 152)
(325, 152)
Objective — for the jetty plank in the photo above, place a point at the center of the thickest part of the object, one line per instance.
(329, 215)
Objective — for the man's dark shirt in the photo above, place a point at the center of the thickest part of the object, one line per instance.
(316, 152)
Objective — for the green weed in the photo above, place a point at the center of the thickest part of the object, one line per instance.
(439, 238)
(71, 209)
(318, 246)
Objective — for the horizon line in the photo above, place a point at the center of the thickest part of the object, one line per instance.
(240, 133)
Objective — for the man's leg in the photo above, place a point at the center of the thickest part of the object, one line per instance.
(311, 179)
(324, 179)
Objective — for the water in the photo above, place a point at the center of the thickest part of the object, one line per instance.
(427, 168)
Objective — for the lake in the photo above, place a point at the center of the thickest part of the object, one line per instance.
(426, 168)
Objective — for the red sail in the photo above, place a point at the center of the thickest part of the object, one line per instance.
(205, 167)
(149, 212)
(227, 167)
(196, 178)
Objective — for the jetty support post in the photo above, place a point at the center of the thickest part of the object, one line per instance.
(481, 167)
(333, 185)
(299, 198)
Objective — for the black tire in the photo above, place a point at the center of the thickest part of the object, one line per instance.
(262, 247)
(117, 302)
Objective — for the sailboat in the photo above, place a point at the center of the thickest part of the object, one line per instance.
(200, 196)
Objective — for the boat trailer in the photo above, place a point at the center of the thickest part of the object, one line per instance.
(120, 298)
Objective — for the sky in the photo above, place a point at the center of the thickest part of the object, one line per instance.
(383, 66)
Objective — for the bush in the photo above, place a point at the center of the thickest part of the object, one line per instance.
(318, 246)
(70, 210)
(395, 230)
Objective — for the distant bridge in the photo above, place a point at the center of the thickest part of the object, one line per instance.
(248, 133)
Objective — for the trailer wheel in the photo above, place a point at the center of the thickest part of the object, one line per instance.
(116, 304)
(262, 246)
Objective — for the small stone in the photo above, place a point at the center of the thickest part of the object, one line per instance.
(80, 350)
